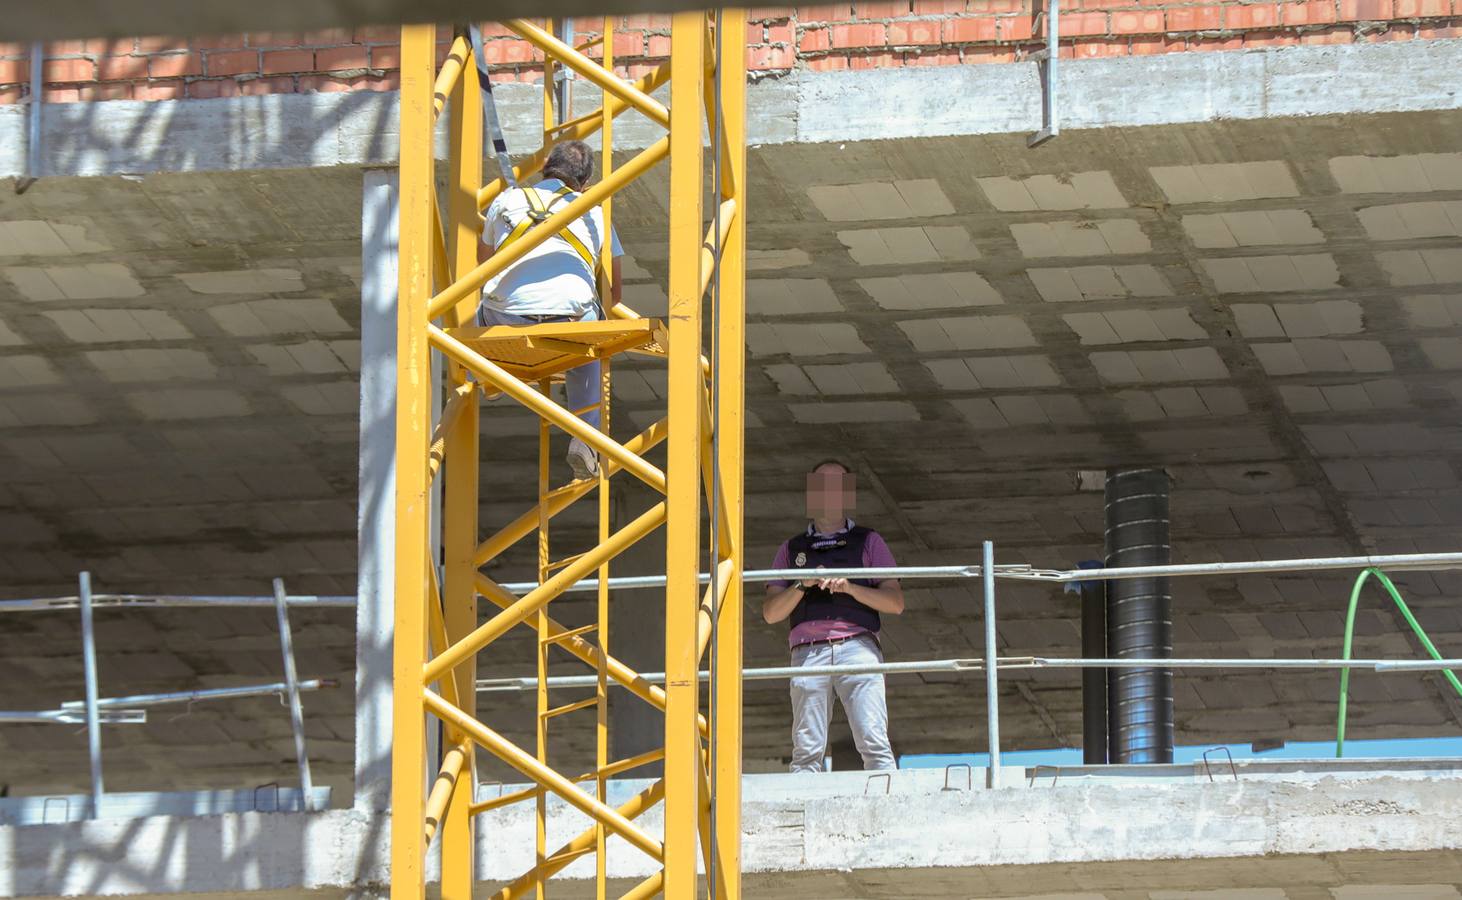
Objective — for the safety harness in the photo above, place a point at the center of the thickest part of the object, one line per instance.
(539, 211)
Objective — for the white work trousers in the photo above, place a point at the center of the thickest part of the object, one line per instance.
(861, 696)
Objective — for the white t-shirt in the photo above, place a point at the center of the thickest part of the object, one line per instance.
(552, 278)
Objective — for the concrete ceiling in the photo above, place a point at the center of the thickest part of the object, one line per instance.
(1270, 309)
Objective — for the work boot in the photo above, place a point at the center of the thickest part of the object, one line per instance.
(583, 460)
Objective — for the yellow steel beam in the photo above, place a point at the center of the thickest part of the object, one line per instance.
(545, 407)
(461, 437)
(595, 73)
(445, 788)
(650, 887)
(726, 698)
(413, 416)
(560, 500)
(540, 619)
(608, 771)
(682, 687)
(436, 629)
(591, 655)
(531, 602)
(521, 760)
(612, 108)
(448, 78)
(583, 842)
(474, 280)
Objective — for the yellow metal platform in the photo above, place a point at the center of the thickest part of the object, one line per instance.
(534, 352)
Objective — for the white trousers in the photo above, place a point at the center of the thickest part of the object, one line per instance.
(861, 696)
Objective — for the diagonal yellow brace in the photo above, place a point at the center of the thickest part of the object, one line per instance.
(522, 526)
(600, 76)
(537, 598)
(545, 407)
(588, 653)
(546, 229)
(584, 841)
(516, 757)
(442, 788)
(450, 72)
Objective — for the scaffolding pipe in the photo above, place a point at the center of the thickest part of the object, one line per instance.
(992, 669)
(1013, 663)
(228, 693)
(93, 724)
(292, 694)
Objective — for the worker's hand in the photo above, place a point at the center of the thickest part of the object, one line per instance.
(834, 585)
(808, 583)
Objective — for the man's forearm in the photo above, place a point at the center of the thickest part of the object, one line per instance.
(779, 606)
(883, 599)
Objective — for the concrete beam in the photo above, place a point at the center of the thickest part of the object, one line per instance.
(308, 130)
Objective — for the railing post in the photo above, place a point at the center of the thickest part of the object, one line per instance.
(992, 672)
(292, 692)
(93, 719)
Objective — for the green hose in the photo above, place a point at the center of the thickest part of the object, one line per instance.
(1350, 631)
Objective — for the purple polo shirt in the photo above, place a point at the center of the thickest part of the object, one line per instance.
(876, 555)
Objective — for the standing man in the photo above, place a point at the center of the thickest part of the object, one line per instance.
(557, 281)
(835, 621)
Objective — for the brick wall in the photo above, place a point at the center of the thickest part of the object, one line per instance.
(867, 35)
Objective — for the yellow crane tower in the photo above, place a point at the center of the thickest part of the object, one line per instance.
(438, 636)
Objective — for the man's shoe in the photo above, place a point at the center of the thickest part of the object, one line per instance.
(583, 460)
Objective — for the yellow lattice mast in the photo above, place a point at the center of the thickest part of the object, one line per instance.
(438, 636)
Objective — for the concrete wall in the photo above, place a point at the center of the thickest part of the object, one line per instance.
(877, 35)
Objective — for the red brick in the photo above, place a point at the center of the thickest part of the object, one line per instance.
(275, 39)
(391, 81)
(121, 68)
(168, 89)
(329, 37)
(986, 7)
(917, 31)
(1328, 36)
(1269, 38)
(336, 58)
(1310, 12)
(767, 13)
(506, 52)
(629, 43)
(232, 62)
(89, 47)
(823, 13)
(938, 7)
(828, 64)
(863, 34)
(281, 84)
(118, 91)
(783, 33)
(324, 84)
(61, 95)
(68, 70)
(1188, 18)
(278, 62)
(10, 95)
(974, 56)
(961, 31)
(174, 65)
(1084, 23)
(1100, 49)
(217, 42)
(1105, 4)
(659, 46)
(1364, 10)
(775, 57)
(14, 71)
(1417, 9)
(934, 58)
(1151, 46)
(652, 21)
(1137, 22)
(1246, 16)
(814, 40)
(1432, 32)
(1015, 28)
(10, 49)
(369, 34)
(386, 56)
(881, 9)
(161, 44)
(875, 61)
(1199, 43)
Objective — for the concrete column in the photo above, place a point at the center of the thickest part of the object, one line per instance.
(1139, 617)
(376, 510)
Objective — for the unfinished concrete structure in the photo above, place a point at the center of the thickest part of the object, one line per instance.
(1247, 276)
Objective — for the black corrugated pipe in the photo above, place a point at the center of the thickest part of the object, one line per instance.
(1139, 617)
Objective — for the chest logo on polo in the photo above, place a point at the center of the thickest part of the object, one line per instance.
(801, 560)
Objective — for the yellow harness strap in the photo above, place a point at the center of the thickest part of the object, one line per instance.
(538, 212)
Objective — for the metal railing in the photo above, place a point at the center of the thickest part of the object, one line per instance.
(95, 711)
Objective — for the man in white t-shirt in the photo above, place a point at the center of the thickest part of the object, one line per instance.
(557, 281)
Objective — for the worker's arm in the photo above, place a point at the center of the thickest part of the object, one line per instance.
(780, 602)
(887, 597)
(484, 251)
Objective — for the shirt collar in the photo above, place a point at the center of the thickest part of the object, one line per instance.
(551, 184)
(813, 532)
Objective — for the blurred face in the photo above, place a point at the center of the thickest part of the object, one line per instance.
(831, 492)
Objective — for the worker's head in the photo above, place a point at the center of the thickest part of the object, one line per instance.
(571, 162)
(831, 490)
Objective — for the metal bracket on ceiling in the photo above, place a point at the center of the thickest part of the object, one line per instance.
(1046, 60)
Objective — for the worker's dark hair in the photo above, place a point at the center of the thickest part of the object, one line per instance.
(830, 461)
(571, 162)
